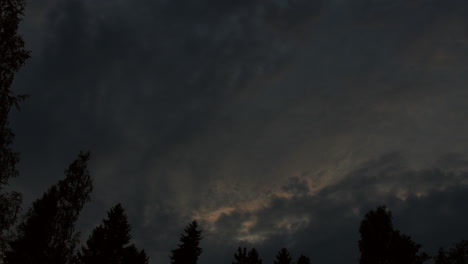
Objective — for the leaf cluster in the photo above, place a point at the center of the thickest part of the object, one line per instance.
(12, 56)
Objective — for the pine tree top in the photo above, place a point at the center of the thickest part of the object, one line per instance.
(283, 257)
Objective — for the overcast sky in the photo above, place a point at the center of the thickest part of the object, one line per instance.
(274, 123)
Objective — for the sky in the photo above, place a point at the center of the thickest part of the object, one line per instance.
(272, 123)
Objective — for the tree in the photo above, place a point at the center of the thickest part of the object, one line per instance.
(303, 260)
(441, 257)
(35, 234)
(404, 250)
(242, 257)
(283, 257)
(188, 250)
(74, 192)
(47, 234)
(376, 231)
(458, 254)
(10, 203)
(380, 243)
(253, 257)
(12, 57)
(110, 242)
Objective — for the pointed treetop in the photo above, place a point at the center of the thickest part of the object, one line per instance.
(283, 257)
(253, 257)
(303, 260)
(188, 250)
(241, 256)
(110, 242)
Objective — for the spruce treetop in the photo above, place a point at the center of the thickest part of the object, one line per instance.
(283, 257)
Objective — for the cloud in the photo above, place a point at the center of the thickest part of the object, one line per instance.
(313, 223)
(269, 121)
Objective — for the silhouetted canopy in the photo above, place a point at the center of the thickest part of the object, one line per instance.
(283, 257)
(110, 242)
(188, 250)
(380, 243)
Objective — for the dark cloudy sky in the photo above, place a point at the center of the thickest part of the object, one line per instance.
(275, 123)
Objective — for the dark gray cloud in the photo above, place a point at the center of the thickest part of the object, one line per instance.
(270, 121)
(426, 204)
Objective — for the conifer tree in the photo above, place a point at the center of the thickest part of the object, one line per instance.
(303, 260)
(240, 257)
(47, 234)
(36, 232)
(283, 257)
(110, 242)
(253, 257)
(188, 250)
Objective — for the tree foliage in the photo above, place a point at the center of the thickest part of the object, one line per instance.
(12, 57)
(242, 257)
(188, 250)
(458, 254)
(303, 260)
(10, 203)
(380, 243)
(110, 242)
(253, 257)
(47, 232)
(283, 257)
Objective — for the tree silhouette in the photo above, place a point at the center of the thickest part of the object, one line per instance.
(242, 257)
(188, 250)
(376, 231)
(404, 250)
(458, 254)
(46, 234)
(10, 203)
(110, 242)
(380, 243)
(441, 257)
(283, 257)
(253, 257)
(303, 260)
(36, 232)
(12, 57)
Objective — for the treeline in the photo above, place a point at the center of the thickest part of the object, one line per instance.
(380, 243)
(46, 233)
